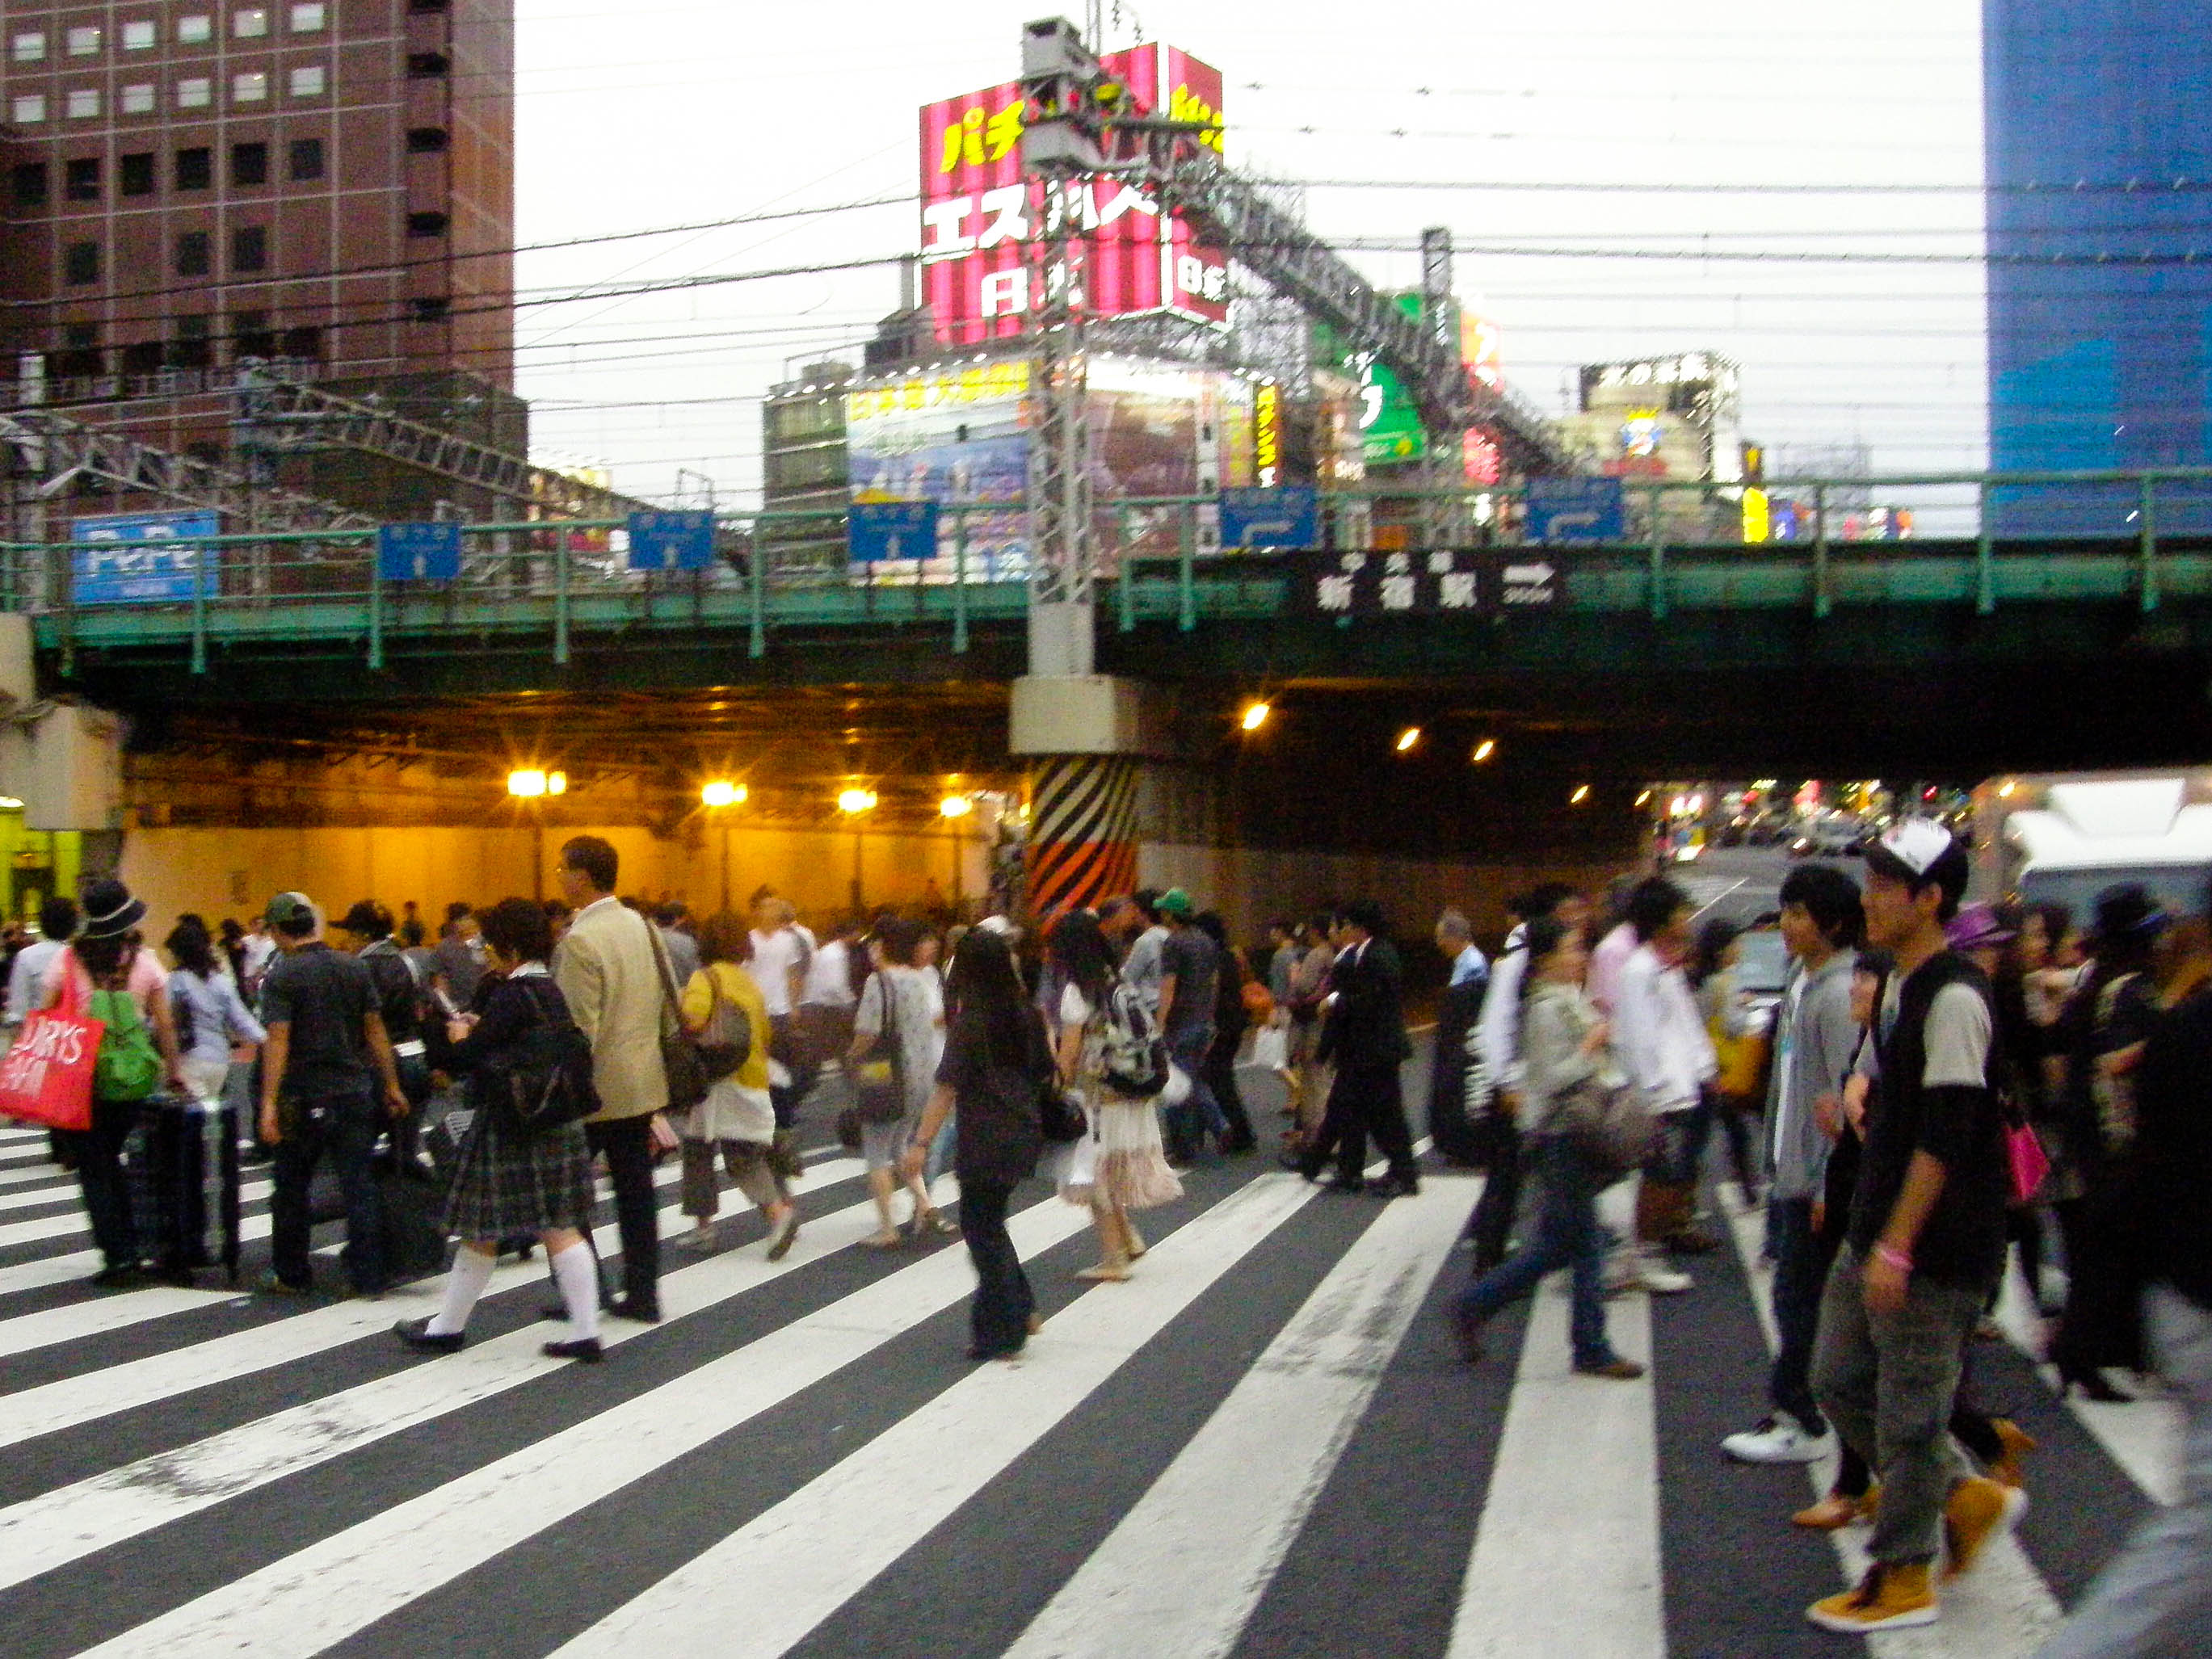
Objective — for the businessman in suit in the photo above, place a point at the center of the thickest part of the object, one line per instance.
(608, 967)
(1365, 1035)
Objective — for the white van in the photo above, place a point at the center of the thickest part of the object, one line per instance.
(2062, 838)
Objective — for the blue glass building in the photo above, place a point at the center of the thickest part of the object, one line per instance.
(2098, 131)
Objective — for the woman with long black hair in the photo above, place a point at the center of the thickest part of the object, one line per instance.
(1120, 1164)
(996, 1060)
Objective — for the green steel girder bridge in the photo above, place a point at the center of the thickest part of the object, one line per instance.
(303, 616)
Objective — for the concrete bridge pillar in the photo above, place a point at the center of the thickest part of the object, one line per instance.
(1082, 736)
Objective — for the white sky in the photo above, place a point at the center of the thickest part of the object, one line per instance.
(662, 112)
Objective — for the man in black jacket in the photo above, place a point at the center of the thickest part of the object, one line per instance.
(1365, 1035)
(2156, 1597)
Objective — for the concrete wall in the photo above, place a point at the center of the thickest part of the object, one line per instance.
(1249, 885)
(232, 872)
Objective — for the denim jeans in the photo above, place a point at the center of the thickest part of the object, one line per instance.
(346, 1128)
(1567, 1236)
(1888, 1380)
(1801, 1275)
(1187, 1125)
(2156, 1596)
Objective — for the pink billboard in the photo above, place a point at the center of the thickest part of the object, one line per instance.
(978, 213)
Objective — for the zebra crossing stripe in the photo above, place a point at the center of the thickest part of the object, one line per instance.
(76, 1321)
(1182, 1572)
(317, 1597)
(12, 1176)
(61, 1526)
(1566, 1557)
(61, 1227)
(2002, 1610)
(69, 1401)
(824, 1543)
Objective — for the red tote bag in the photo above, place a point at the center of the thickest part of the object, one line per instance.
(47, 1075)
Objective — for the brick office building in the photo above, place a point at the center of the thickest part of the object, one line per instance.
(324, 185)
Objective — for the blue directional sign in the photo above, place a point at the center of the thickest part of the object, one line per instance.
(135, 558)
(418, 552)
(891, 530)
(1576, 510)
(681, 540)
(1288, 515)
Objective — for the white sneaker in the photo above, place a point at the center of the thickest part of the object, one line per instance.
(1654, 1276)
(1776, 1440)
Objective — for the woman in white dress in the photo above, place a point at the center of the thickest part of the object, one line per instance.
(1120, 1164)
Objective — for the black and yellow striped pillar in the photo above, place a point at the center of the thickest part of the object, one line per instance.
(1083, 831)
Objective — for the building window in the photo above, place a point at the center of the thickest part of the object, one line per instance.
(26, 185)
(80, 264)
(250, 334)
(191, 346)
(249, 164)
(27, 107)
(138, 99)
(308, 80)
(84, 42)
(193, 258)
(195, 92)
(195, 168)
(427, 5)
(429, 307)
(306, 160)
(195, 30)
(80, 355)
(83, 103)
(303, 345)
(427, 141)
(310, 17)
(135, 173)
(425, 65)
(250, 22)
(29, 47)
(138, 37)
(426, 224)
(142, 357)
(81, 179)
(249, 248)
(252, 88)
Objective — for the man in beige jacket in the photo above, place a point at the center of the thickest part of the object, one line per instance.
(607, 968)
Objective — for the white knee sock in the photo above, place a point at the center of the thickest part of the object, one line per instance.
(464, 1283)
(578, 1276)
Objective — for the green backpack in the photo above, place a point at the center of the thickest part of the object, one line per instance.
(130, 1066)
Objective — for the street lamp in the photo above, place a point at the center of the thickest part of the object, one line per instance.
(531, 785)
(1485, 750)
(952, 809)
(1581, 794)
(1409, 739)
(1256, 715)
(716, 795)
(856, 803)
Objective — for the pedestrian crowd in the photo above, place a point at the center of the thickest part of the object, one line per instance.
(1933, 1084)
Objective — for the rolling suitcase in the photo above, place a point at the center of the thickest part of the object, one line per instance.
(182, 1161)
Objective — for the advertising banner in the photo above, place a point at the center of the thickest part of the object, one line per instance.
(978, 214)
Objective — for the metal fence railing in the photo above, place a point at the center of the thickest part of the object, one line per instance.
(1158, 556)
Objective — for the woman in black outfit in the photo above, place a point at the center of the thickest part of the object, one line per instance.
(504, 1180)
(996, 1059)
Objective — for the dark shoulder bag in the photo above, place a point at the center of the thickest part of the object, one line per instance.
(680, 1059)
(543, 1080)
(879, 1078)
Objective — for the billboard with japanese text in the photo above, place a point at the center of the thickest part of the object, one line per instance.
(959, 435)
(979, 214)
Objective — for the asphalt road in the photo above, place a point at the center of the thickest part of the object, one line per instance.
(1263, 1445)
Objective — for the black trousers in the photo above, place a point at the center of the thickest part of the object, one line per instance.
(345, 1129)
(999, 1318)
(1221, 1078)
(1363, 1100)
(97, 1153)
(628, 1144)
(1491, 1226)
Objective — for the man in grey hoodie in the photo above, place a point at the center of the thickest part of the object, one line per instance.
(1822, 922)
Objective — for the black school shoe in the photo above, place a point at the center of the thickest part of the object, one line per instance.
(584, 1348)
(416, 1334)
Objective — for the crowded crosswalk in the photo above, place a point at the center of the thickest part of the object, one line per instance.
(1263, 1444)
